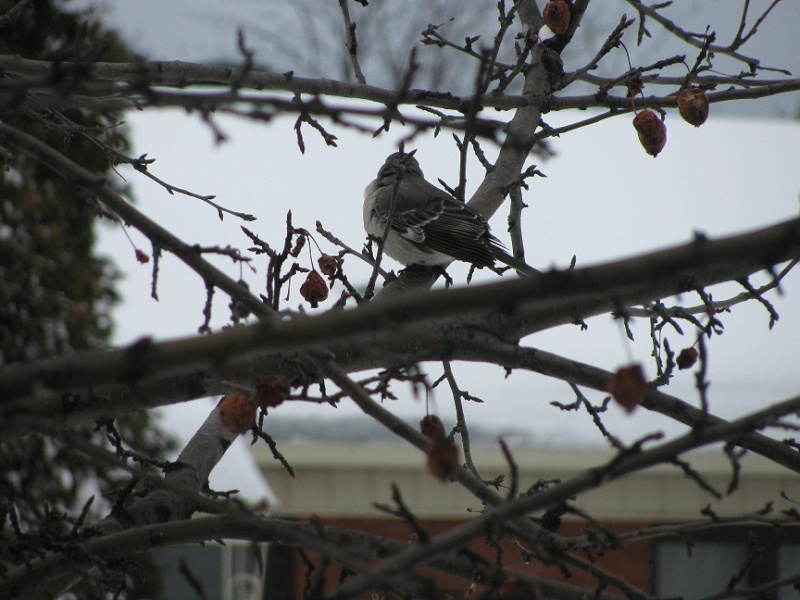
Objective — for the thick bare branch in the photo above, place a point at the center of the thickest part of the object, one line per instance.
(406, 323)
(101, 381)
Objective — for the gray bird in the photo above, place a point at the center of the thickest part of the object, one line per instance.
(429, 226)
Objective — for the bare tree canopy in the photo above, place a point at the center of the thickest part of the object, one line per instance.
(354, 341)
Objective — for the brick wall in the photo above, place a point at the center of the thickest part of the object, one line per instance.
(632, 563)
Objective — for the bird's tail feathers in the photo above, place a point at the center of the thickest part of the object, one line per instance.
(520, 266)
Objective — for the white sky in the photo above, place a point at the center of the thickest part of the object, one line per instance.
(603, 198)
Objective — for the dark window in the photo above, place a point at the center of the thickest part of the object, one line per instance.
(788, 565)
(706, 562)
(229, 572)
(708, 569)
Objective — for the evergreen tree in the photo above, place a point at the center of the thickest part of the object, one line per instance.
(56, 293)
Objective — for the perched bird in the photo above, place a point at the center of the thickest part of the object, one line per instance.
(428, 225)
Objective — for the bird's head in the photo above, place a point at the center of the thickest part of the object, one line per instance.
(399, 163)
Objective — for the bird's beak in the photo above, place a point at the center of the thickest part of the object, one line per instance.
(404, 157)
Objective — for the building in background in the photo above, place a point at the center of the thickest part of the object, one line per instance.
(339, 484)
(233, 571)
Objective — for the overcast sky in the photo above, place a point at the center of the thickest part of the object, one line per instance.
(603, 198)
(306, 36)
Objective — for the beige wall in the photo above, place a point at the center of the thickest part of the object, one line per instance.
(340, 480)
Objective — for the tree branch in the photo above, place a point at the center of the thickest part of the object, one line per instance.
(158, 235)
(539, 361)
(618, 467)
(99, 381)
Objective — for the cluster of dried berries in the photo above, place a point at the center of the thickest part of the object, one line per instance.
(237, 412)
(314, 289)
(442, 452)
(693, 107)
(627, 386)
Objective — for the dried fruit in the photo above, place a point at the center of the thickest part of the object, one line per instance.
(442, 458)
(627, 386)
(142, 256)
(271, 390)
(431, 426)
(686, 358)
(556, 16)
(237, 413)
(652, 131)
(299, 244)
(314, 289)
(328, 264)
(693, 106)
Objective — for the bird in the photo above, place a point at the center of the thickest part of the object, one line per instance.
(428, 226)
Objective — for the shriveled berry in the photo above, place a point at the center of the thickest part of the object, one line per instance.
(627, 386)
(237, 413)
(693, 106)
(443, 458)
(556, 16)
(652, 131)
(328, 264)
(686, 358)
(314, 290)
(431, 426)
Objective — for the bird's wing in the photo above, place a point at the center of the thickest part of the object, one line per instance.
(429, 217)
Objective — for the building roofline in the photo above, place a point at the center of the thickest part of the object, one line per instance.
(345, 480)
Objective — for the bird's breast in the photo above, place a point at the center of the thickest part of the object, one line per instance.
(373, 223)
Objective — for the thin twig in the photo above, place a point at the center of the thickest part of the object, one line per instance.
(15, 12)
(461, 421)
(352, 43)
